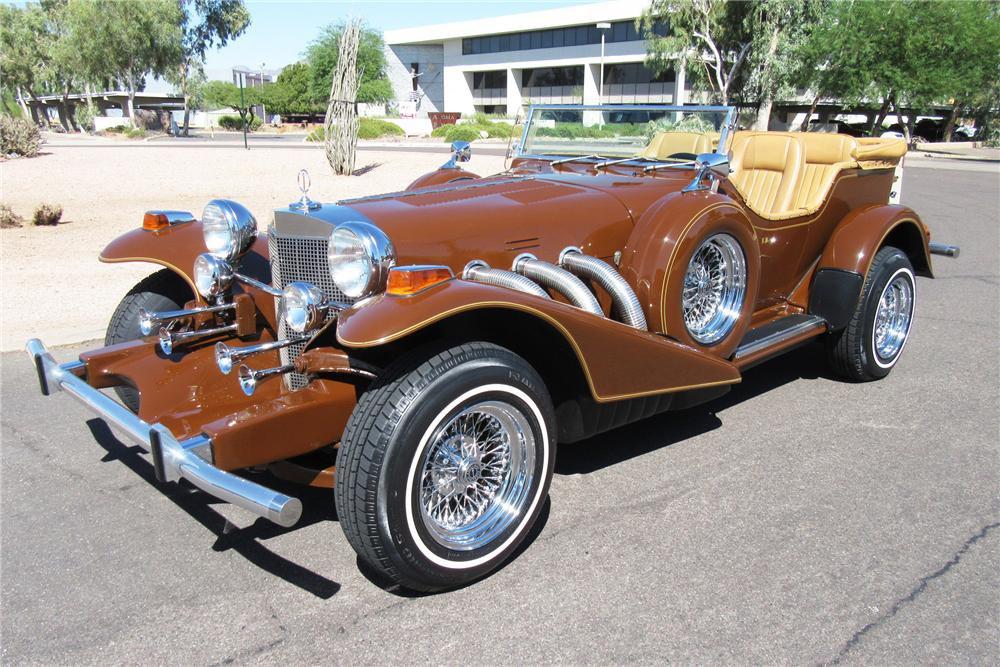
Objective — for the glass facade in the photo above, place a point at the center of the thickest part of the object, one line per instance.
(552, 76)
(487, 80)
(627, 73)
(621, 31)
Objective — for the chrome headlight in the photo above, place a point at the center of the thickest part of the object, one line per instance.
(360, 256)
(229, 229)
(212, 276)
(303, 307)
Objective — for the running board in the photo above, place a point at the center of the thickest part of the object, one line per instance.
(774, 333)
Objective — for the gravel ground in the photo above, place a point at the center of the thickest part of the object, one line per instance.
(798, 519)
(52, 283)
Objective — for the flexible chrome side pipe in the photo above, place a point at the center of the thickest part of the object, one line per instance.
(226, 356)
(944, 249)
(481, 272)
(151, 321)
(170, 339)
(626, 303)
(249, 378)
(550, 275)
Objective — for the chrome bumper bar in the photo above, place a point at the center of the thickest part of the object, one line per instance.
(944, 249)
(172, 458)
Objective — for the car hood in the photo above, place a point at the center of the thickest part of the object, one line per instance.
(496, 218)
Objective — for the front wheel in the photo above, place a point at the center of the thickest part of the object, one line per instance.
(870, 345)
(444, 466)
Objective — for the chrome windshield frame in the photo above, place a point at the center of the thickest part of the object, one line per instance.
(728, 125)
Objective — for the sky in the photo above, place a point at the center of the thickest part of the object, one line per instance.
(280, 30)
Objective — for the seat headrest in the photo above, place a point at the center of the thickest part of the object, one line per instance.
(760, 150)
(828, 148)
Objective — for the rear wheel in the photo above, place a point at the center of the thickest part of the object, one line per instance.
(444, 466)
(870, 345)
(163, 290)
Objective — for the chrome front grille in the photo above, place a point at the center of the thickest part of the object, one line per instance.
(293, 259)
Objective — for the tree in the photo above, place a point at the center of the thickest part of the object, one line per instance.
(708, 35)
(205, 24)
(219, 94)
(292, 92)
(125, 40)
(24, 53)
(373, 86)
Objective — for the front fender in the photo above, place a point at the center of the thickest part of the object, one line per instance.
(176, 248)
(618, 362)
(863, 231)
(441, 176)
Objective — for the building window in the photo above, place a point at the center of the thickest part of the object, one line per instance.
(414, 73)
(621, 31)
(541, 77)
(493, 79)
(627, 73)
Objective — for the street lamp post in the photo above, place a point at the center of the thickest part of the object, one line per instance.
(603, 26)
(263, 107)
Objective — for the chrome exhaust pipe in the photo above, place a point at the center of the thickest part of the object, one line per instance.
(550, 275)
(150, 321)
(627, 305)
(480, 271)
(249, 378)
(945, 249)
(169, 339)
(226, 356)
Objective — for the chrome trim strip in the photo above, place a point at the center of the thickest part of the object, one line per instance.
(814, 322)
(253, 282)
(189, 458)
(152, 321)
(944, 249)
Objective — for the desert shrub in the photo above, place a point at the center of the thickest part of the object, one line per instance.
(376, 128)
(462, 133)
(117, 129)
(318, 134)
(236, 123)
(19, 136)
(84, 117)
(8, 218)
(442, 130)
(135, 133)
(48, 214)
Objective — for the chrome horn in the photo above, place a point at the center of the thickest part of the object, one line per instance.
(249, 377)
(168, 339)
(150, 321)
(227, 357)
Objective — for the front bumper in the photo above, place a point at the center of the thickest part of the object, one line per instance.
(172, 458)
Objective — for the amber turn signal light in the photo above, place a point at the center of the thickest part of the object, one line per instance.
(406, 280)
(154, 221)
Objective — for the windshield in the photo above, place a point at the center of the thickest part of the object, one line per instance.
(658, 133)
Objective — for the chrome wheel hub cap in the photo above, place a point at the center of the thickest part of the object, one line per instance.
(892, 319)
(714, 287)
(476, 475)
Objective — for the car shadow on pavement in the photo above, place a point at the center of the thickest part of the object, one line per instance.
(317, 506)
(642, 437)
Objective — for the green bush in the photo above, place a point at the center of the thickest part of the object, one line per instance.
(8, 218)
(376, 128)
(461, 133)
(319, 134)
(84, 117)
(19, 136)
(442, 130)
(135, 133)
(117, 129)
(48, 215)
(236, 123)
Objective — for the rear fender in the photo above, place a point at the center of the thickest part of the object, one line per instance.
(617, 361)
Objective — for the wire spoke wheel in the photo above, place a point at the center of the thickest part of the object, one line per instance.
(476, 475)
(714, 287)
(892, 318)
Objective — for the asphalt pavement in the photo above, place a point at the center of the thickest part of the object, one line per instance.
(799, 519)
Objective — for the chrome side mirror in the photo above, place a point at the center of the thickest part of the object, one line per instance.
(461, 151)
(710, 166)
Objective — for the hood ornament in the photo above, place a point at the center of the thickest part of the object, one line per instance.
(304, 203)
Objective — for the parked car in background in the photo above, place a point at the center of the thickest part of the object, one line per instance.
(423, 352)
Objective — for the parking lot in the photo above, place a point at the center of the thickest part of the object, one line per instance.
(799, 519)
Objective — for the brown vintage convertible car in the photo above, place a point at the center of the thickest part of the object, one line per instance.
(422, 352)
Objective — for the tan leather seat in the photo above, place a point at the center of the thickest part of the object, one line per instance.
(665, 144)
(766, 170)
(825, 156)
